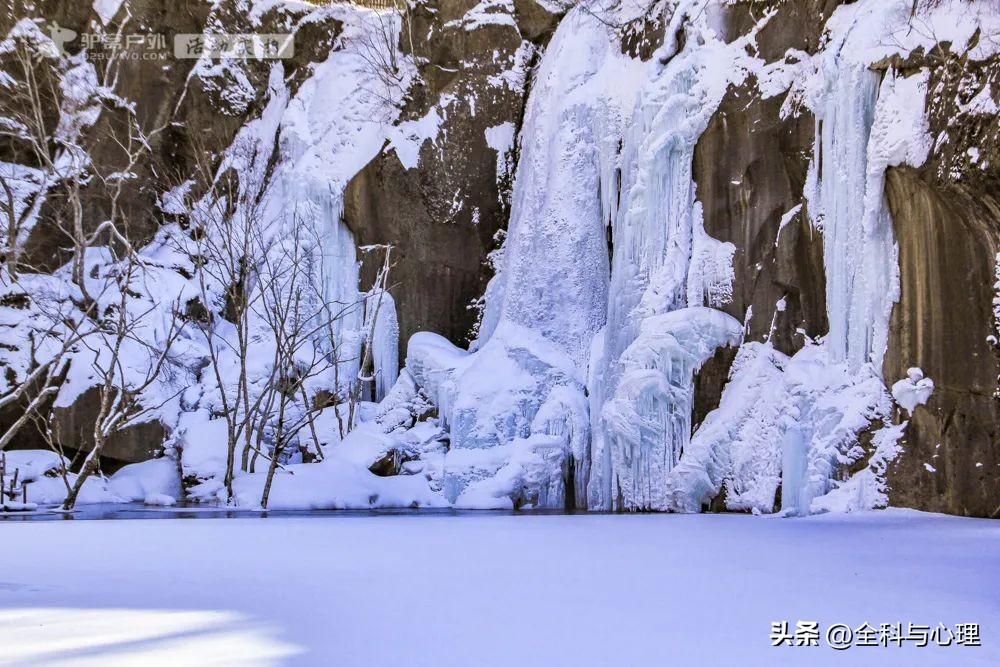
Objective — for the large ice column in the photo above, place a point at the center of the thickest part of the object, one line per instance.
(553, 277)
(848, 203)
(793, 422)
(662, 261)
(864, 125)
(385, 340)
(516, 407)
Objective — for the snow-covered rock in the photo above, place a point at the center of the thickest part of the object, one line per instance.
(154, 479)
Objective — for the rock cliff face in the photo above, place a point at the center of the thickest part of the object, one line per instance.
(750, 169)
(443, 207)
(440, 191)
(946, 217)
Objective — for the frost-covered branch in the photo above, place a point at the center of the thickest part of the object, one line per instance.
(128, 361)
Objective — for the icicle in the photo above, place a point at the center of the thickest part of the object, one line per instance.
(859, 251)
(647, 421)
(340, 275)
(385, 342)
(662, 261)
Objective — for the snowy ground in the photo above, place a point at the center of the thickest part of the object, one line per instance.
(490, 589)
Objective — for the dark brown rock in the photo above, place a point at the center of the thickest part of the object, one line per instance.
(744, 197)
(73, 427)
(947, 251)
(709, 382)
(750, 167)
(946, 217)
(443, 215)
(535, 22)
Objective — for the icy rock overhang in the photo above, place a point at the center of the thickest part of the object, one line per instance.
(647, 421)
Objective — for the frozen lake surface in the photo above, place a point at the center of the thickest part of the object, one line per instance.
(488, 589)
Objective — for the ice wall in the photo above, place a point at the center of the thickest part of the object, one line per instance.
(663, 262)
(553, 276)
(793, 422)
(554, 291)
(515, 406)
(848, 204)
(340, 280)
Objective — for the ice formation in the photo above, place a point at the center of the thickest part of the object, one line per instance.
(554, 275)
(848, 205)
(637, 331)
(579, 389)
(510, 391)
(793, 422)
(515, 406)
(662, 261)
(380, 305)
(646, 422)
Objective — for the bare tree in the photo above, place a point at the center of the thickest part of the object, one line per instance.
(228, 219)
(365, 384)
(299, 318)
(30, 114)
(260, 273)
(274, 280)
(46, 370)
(122, 378)
(227, 246)
(380, 48)
(285, 308)
(44, 119)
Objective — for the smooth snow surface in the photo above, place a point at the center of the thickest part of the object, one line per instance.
(491, 590)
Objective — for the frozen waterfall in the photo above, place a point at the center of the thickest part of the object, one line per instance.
(848, 204)
(665, 269)
(515, 406)
(583, 373)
